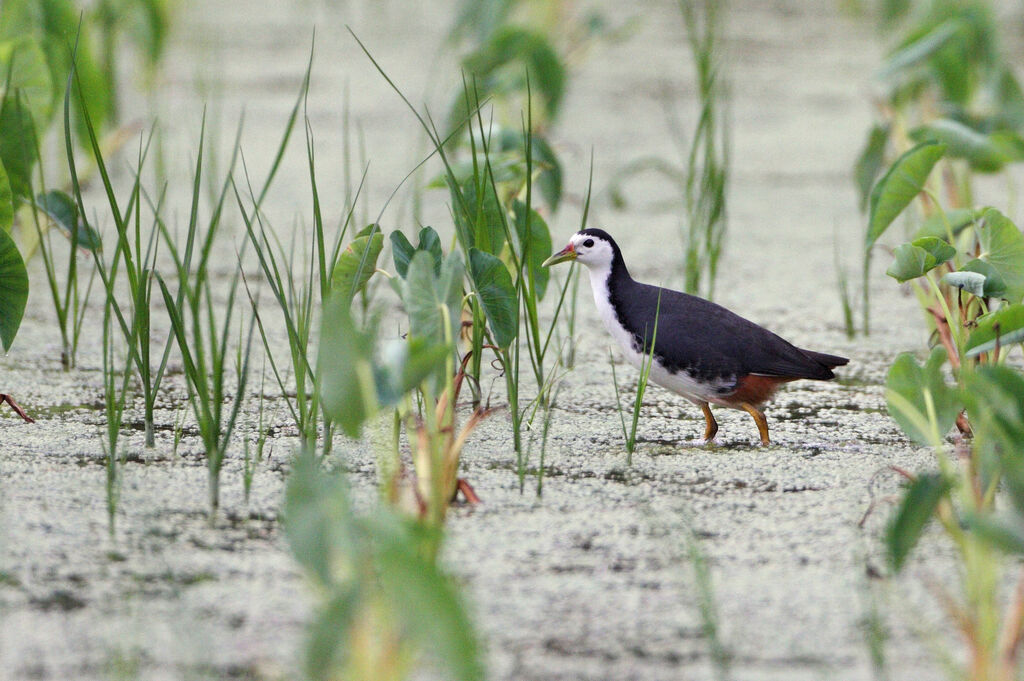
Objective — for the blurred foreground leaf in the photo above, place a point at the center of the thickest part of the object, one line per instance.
(916, 509)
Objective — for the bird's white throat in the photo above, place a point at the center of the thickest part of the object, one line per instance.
(603, 299)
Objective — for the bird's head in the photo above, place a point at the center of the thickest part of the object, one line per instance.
(591, 247)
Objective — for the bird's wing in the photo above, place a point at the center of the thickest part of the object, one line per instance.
(709, 340)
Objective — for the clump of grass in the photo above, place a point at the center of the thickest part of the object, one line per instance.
(115, 391)
(70, 305)
(495, 219)
(253, 451)
(203, 334)
(134, 253)
(707, 164)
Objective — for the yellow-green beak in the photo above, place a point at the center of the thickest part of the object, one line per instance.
(567, 253)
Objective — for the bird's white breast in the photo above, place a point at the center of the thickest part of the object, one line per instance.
(680, 382)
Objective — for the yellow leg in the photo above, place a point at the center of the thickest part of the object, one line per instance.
(759, 419)
(710, 424)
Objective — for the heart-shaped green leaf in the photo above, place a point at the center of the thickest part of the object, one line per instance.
(919, 398)
(898, 187)
(63, 210)
(497, 294)
(1005, 326)
(919, 257)
(1002, 247)
(972, 282)
(357, 264)
(983, 152)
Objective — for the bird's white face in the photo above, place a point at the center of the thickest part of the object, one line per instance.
(590, 250)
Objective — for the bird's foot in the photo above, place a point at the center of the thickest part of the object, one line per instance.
(468, 493)
(17, 409)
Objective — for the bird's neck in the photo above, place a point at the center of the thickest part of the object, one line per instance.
(610, 281)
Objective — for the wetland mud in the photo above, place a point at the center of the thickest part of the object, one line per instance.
(594, 579)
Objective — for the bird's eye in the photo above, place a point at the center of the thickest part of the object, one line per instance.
(588, 243)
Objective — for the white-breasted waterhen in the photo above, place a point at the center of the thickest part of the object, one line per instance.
(702, 351)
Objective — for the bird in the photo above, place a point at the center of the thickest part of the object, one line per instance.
(702, 351)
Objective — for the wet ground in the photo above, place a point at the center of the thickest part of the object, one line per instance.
(594, 579)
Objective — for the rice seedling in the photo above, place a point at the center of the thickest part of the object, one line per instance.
(202, 332)
(70, 305)
(701, 179)
(252, 453)
(329, 267)
(721, 657)
(707, 164)
(116, 376)
(134, 252)
(205, 355)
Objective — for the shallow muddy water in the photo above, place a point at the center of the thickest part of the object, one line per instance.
(592, 580)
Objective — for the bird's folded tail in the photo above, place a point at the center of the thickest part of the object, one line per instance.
(831, 361)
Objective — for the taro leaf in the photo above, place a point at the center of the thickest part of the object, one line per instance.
(906, 388)
(318, 520)
(358, 263)
(402, 250)
(404, 365)
(1008, 95)
(63, 210)
(920, 51)
(513, 44)
(549, 181)
(995, 403)
(345, 366)
(1002, 247)
(1007, 323)
(936, 247)
(1008, 143)
(429, 298)
(898, 187)
(503, 166)
(535, 240)
(25, 76)
(972, 282)
(428, 604)
(919, 257)
(13, 289)
(478, 221)
(6, 202)
(17, 145)
(915, 510)
(941, 224)
(869, 163)
(995, 287)
(981, 151)
(497, 294)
